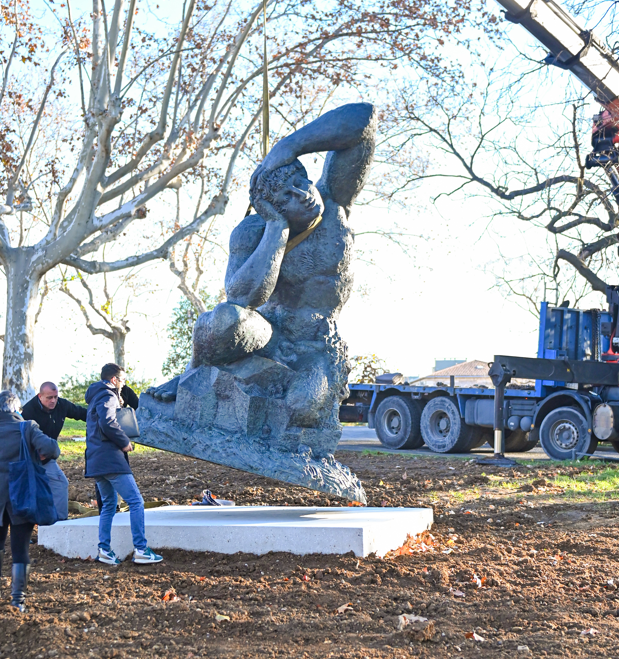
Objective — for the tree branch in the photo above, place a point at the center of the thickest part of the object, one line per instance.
(184, 286)
(93, 329)
(13, 180)
(596, 283)
(589, 250)
(5, 79)
(156, 135)
(216, 207)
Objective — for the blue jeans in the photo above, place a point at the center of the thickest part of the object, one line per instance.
(126, 486)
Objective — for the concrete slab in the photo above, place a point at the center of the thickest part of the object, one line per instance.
(252, 529)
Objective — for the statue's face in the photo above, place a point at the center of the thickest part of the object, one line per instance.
(300, 202)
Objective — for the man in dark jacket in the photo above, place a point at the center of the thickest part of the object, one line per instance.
(50, 411)
(107, 462)
(41, 447)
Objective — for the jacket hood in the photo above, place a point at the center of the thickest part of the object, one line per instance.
(11, 415)
(96, 388)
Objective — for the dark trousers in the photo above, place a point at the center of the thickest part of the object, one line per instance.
(20, 538)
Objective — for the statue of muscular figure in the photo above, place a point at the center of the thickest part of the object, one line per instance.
(288, 273)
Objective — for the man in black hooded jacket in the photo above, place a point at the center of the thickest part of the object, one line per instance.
(49, 411)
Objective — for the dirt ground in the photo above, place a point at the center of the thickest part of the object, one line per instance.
(515, 565)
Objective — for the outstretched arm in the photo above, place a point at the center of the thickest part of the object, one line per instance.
(348, 132)
(71, 410)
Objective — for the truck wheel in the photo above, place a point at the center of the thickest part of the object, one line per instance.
(444, 430)
(615, 446)
(519, 441)
(483, 438)
(515, 441)
(565, 431)
(531, 443)
(397, 423)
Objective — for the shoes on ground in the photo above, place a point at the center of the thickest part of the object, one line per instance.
(144, 556)
(207, 500)
(108, 557)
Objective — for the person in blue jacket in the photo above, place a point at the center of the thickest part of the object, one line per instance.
(41, 447)
(107, 461)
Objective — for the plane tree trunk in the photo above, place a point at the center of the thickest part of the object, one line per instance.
(21, 307)
(119, 348)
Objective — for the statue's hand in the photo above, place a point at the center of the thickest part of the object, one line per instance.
(268, 212)
(278, 156)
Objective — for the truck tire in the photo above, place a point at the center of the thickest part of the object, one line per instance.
(444, 430)
(397, 423)
(484, 437)
(564, 432)
(531, 443)
(515, 441)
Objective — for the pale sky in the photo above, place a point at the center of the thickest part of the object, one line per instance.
(437, 304)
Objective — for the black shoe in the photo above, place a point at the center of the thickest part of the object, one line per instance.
(18, 586)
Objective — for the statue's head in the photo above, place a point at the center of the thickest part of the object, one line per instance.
(291, 193)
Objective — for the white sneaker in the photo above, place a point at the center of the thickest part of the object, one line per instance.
(108, 557)
(147, 555)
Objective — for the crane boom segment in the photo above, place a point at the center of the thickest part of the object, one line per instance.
(571, 46)
(578, 50)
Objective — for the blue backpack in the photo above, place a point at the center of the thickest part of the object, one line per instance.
(29, 490)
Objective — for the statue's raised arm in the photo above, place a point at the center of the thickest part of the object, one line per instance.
(349, 134)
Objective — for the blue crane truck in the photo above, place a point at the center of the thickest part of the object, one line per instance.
(568, 403)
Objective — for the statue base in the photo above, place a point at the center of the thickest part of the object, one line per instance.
(252, 529)
(282, 455)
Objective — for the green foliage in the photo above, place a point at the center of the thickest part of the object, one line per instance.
(73, 387)
(365, 368)
(74, 450)
(137, 384)
(180, 332)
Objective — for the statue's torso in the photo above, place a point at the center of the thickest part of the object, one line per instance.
(314, 281)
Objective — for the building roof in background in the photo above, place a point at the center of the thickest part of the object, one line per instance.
(467, 374)
(441, 364)
(472, 369)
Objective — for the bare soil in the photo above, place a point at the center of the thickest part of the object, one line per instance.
(507, 571)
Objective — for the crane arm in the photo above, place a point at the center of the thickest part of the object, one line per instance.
(578, 50)
(571, 46)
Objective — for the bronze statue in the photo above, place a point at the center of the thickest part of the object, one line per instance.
(269, 368)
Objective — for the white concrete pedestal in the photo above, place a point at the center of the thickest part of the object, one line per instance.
(251, 529)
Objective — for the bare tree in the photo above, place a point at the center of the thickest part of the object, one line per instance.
(116, 324)
(187, 259)
(119, 114)
(528, 160)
